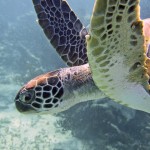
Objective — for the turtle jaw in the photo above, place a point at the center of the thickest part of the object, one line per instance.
(24, 108)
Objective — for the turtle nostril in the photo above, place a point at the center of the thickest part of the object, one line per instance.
(17, 96)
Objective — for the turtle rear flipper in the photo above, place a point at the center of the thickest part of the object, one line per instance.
(117, 52)
(64, 30)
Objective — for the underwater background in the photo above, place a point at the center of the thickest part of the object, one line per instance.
(95, 125)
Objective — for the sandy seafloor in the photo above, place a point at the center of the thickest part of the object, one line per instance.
(95, 125)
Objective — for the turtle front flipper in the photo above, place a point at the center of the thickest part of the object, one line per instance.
(117, 52)
(64, 30)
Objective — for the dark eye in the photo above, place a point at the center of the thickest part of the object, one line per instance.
(28, 97)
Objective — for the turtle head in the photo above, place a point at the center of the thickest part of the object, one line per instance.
(41, 94)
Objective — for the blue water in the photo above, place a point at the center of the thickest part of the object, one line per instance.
(25, 53)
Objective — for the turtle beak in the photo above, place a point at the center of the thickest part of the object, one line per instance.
(23, 108)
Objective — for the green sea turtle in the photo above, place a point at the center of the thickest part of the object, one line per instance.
(109, 61)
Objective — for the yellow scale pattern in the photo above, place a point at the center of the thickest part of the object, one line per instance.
(116, 50)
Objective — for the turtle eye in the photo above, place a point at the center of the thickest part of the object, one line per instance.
(27, 96)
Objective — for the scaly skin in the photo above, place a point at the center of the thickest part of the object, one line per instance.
(57, 91)
(74, 85)
(66, 33)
